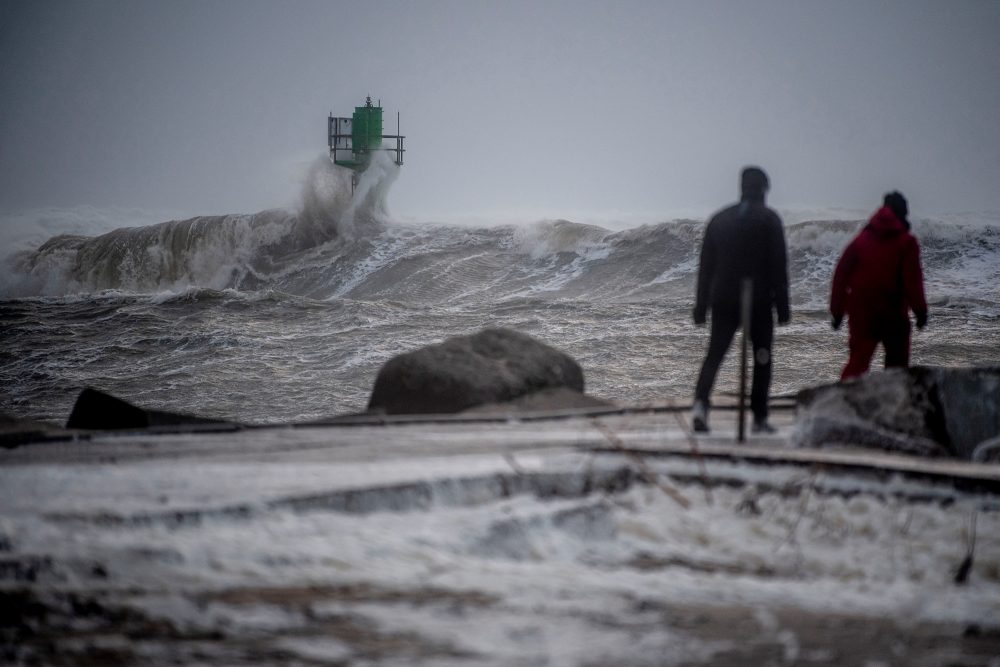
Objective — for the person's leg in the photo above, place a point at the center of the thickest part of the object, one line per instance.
(862, 346)
(761, 338)
(724, 324)
(897, 344)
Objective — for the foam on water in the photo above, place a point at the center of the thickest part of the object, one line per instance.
(337, 245)
(218, 252)
(305, 305)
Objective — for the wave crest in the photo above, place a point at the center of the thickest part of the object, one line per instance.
(239, 251)
(342, 247)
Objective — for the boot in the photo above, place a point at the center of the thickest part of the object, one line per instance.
(699, 416)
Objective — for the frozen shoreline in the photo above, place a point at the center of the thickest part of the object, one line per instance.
(527, 542)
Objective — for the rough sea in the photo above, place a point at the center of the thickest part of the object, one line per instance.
(287, 315)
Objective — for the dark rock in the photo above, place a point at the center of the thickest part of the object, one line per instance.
(821, 431)
(492, 366)
(886, 410)
(970, 401)
(921, 411)
(95, 410)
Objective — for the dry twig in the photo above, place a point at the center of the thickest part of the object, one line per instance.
(650, 475)
(962, 574)
(809, 484)
(699, 459)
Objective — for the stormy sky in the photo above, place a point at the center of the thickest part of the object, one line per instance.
(547, 107)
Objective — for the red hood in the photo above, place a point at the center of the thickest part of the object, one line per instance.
(885, 223)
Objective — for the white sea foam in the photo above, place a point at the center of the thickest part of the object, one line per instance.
(28, 229)
(295, 301)
(683, 269)
(551, 565)
(85, 250)
(335, 243)
(547, 237)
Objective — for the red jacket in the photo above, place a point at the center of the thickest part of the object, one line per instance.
(879, 273)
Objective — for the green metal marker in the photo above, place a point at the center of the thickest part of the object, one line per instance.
(353, 140)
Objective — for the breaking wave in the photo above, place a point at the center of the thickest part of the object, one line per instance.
(239, 251)
(341, 246)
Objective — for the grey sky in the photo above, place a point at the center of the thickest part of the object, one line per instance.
(215, 106)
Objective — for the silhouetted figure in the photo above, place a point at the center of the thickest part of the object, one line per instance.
(743, 241)
(878, 281)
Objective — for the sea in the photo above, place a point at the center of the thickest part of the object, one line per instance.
(286, 315)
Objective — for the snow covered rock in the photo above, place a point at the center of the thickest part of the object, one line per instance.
(970, 402)
(887, 410)
(920, 410)
(492, 366)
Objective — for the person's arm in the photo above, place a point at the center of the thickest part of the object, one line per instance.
(779, 275)
(913, 282)
(841, 278)
(706, 272)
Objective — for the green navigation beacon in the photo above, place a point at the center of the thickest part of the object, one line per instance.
(353, 140)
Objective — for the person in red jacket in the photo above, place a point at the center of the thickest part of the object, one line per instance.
(878, 281)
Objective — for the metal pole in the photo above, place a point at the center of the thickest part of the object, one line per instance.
(746, 299)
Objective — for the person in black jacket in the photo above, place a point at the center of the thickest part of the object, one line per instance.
(745, 240)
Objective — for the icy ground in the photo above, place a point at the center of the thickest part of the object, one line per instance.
(518, 543)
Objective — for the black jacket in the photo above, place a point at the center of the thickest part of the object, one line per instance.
(744, 240)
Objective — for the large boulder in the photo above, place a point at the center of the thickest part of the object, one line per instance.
(970, 403)
(922, 411)
(492, 366)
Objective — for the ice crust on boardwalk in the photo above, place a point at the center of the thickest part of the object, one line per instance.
(500, 543)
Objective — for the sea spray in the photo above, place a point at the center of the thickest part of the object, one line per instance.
(240, 251)
(325, 198)
(374, 183)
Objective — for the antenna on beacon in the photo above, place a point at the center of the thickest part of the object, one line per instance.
(353, 140)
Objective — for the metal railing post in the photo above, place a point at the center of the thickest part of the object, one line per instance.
(746, 300)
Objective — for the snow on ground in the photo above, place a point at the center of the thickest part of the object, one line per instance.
(546, 555)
